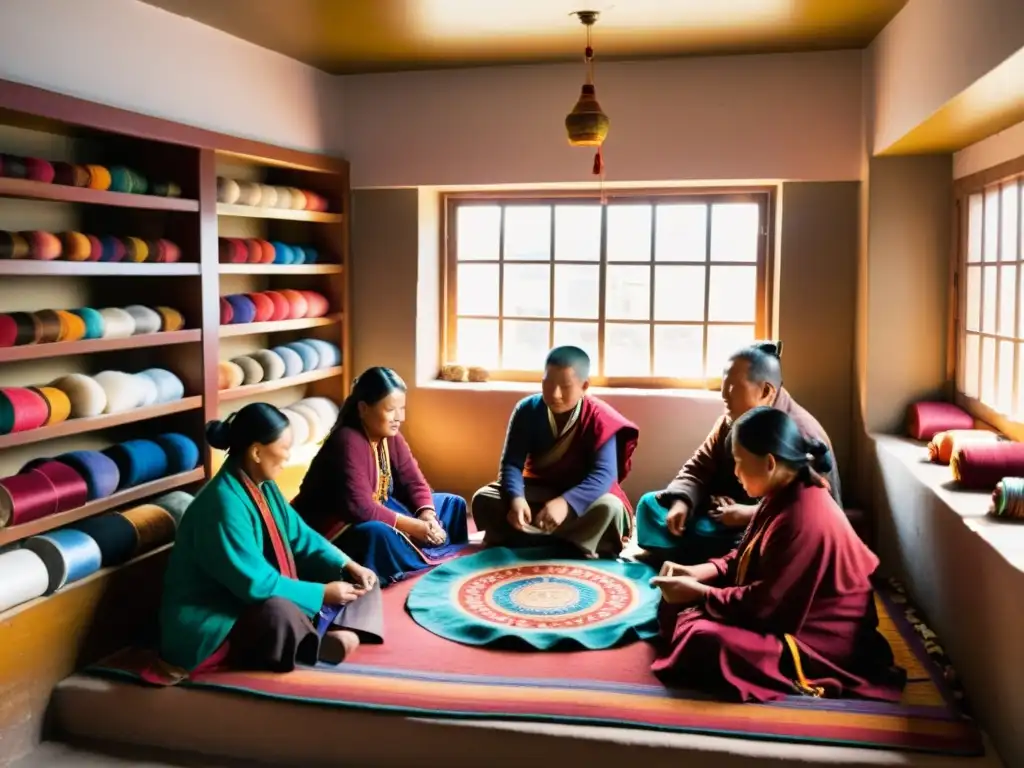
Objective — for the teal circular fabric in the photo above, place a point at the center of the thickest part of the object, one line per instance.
(535, 598)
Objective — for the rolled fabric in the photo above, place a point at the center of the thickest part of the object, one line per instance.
(168, 251)
(43, 246)
(299, 425)
(124, 391)
(308, 353)
(176, 503)
(252, 370)
(166, 189)
(147, 387)
(284, 197)
(39, 170)
(8, 331)
(251, 192)
(22, 409)
(330, 354)
(29, 329)
(147, 320)
(95, 248)
(168, 386)
(117, 324)
(282, 252)
(170, 319)
(268, 196)
(87, 397)
(69, 555)
(1008, 498)
(23, 577)
(121, 179)
(76, 246)
(13, 245)
(227, 312)
(229, 375)
(49, 326)
(71, 175)
(242, 308)
(72, 326)
(115, 536)
(310, 255)
(69, 486)
(228, 191)
(316, 304)
(138, 462)
(93, 321)
(298, 199)
(58, 404)
(267, 252)
(941, 447)
(327, 409)
(979, 466)
(270, 362)
(113, 248)
(282, 308)
(232, 250)
(927, 419)
(291, 359)
(317, 428)
(98, 470)
(154, 527)
(254, 252)
(297, 305)
(100, 178)
(25, 497)
(182, 452)
(136, 249)
(263, 305)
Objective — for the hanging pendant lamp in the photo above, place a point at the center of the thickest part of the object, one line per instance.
(587, 124)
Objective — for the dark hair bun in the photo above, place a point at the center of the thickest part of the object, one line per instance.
(773, 348)
(218, 435)
(822, 456)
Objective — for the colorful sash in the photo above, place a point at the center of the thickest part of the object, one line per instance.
(282, 552)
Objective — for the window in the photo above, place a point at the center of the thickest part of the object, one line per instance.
(658, 289)
(990, 349)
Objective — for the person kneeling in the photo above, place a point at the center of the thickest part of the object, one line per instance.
(365, 491)
(565, 454)
(247, 578)
(791, 609)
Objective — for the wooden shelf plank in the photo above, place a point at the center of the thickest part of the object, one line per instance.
(97, 269)
(79, 426)
(119, 499)
(280, 269)
(89, 346)
(256, 212)
(37, 190)
(239, 393)
(249, 329)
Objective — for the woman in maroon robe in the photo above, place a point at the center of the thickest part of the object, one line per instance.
(791, 609)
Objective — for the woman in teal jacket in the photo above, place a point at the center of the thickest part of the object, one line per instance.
(249, 585)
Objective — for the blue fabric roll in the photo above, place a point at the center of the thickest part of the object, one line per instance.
(330, 354)
(100, 472)
(308, 353)
(115, 536)
(282, 253)
(310, 255)
(93, 322)
(168, 386)
(69, 555)
(138, 461)
(292, 361)
(243, 309)
(182, 452)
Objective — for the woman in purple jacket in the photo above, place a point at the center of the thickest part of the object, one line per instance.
(364, 490)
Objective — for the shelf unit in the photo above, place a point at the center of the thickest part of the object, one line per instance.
(42, 124)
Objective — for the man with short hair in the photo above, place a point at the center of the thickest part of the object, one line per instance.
(703, 512)
(565, 454)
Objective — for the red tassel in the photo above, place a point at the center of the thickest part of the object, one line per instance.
(598, 163)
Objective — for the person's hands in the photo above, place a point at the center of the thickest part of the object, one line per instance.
(679, 590)
(341, 593)
(669, 568)
(676, 518)
(727, 512)
(552, 514)
(362, 576)
(435, 533)
(519, 514)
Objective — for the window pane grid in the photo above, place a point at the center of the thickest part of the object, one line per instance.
(658, 291)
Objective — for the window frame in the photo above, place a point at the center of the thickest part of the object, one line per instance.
(765, 196)
(963, 190)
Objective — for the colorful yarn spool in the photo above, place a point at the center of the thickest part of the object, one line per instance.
(292, 361)
(117, 324)
(942, 445)
(69, 555)
(72, 326)
(1008, 499)
(115, 536)
(58, 404)
(176, 503)
(282, 308)
(308, 353)
(99, 178)
(927, 419)
(980, 466)
(70, 487)
(170, 319)
(25, 497)
(168, 386)
(49, 326)
(21, 409)
(271, 363)
(242, 309)
(113, 248)
(327, 409)
(138, 462)
(154, 527)
(76, 246)
(252, 371)
(93, 322)
(167, 252)
(182, 452)
(23, 577)
(316, 304)
(37, 169)
(147, 320)
(99, 471)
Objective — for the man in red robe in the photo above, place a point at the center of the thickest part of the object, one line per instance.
(565, 454)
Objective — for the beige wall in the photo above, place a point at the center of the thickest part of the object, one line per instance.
(457, 430)
(1000, 148)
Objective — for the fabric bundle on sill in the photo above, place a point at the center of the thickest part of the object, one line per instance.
(980, 466)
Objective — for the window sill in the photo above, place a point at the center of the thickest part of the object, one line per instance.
(530, 389)
(1005, 538)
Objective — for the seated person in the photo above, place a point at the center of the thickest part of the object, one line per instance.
(565, 454)
(364, 490)
(704, 510)
(792, 608)
(247, 578)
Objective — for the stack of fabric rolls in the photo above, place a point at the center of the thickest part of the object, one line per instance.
(114, 178)
(51, 561)
(255, 194)
(48, 326)
(50, 486)
(311, 419)
(77, 396)
(265, 306)
(76, 246)
(281, 362)
(237, 250)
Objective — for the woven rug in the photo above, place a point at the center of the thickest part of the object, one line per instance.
(416, 672)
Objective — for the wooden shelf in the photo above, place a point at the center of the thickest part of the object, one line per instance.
(280, 269)
(98, 269)
(239, 393)
(79, 426)
(37, 190)
(286, 214)
(119, 499)
(249, 329)
(89, 346)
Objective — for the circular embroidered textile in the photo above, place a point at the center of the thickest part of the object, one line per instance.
(535, 598)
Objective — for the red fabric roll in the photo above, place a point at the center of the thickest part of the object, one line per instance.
(44, 246)
(232, 251)
(267, 252)
(30, 408)
(316, 304)
(979, 466)
(927, 419)
(96, 248)
(8, 331)
(281, 306)
(254, 251)
(227, 313)
(39, 170)
(264, 307)
(297, 305)
(72, 490)
(26, 497)
(170, 253)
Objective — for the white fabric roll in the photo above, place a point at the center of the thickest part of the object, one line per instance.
(23, 577)
(117, 324)
(146, 320)
(300, 427)
(87, 397)
(124, 391)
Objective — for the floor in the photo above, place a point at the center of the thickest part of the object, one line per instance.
(55, 755)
